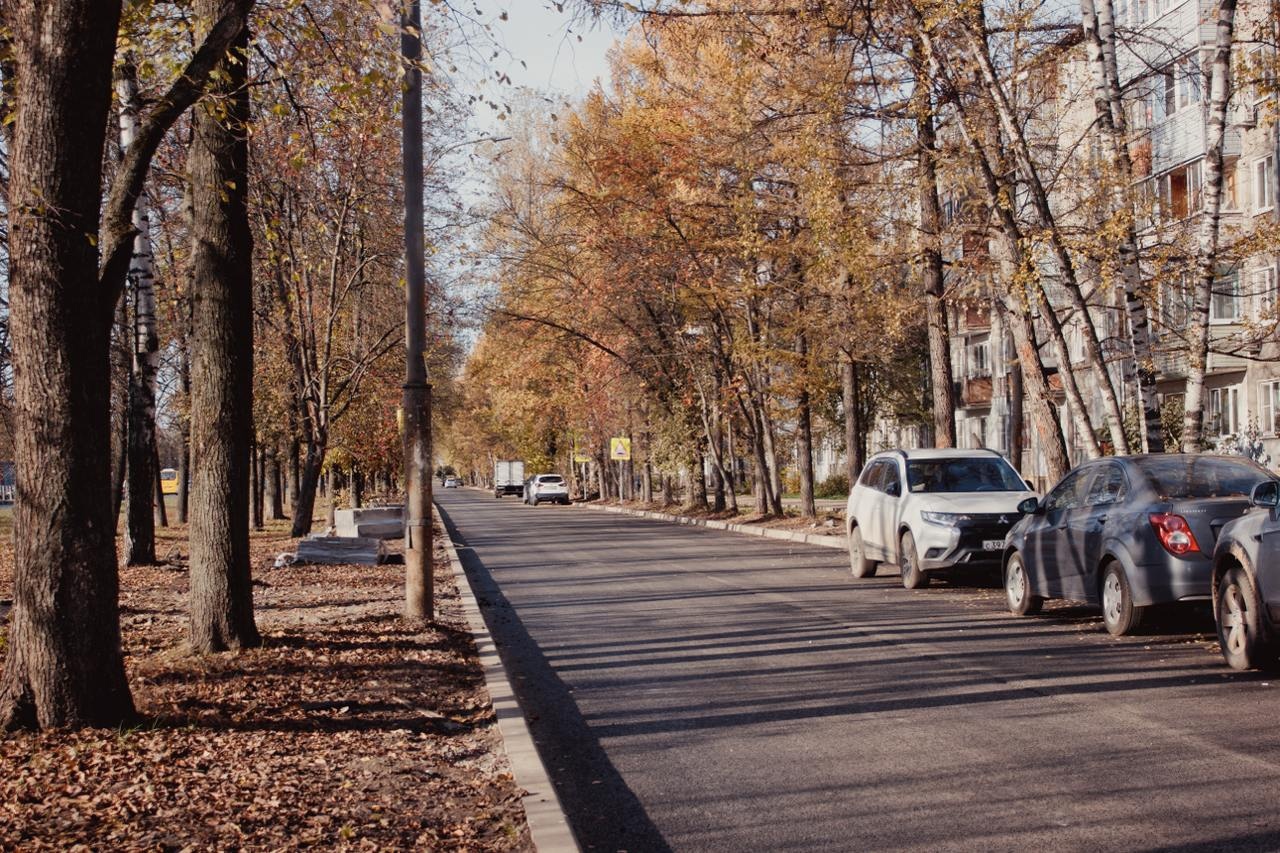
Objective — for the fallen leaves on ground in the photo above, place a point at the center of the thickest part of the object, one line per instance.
(347, 729)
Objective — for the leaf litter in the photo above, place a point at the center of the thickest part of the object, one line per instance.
(348, 729)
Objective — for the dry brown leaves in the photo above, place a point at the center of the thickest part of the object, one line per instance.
(348, 729)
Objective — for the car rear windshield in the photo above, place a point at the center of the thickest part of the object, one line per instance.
(551, 478)
(1189, 476)
(978, 474)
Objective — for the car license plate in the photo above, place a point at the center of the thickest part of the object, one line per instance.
(992, 544)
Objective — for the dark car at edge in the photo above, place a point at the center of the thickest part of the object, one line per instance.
(1127, 532)
(1246, 583)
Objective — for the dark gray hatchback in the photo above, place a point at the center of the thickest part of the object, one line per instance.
(1246, 583)
(1127, 532)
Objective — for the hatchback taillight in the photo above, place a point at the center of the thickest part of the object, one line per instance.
(1174, 533)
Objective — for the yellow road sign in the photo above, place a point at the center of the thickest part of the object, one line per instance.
(619, 449)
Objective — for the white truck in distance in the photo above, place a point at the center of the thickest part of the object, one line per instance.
(508, 477)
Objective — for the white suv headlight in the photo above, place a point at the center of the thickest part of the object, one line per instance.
(945, 519)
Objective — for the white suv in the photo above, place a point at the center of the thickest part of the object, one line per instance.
(955, 511)
(546, 487)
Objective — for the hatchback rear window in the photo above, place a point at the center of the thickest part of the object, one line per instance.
(1192, 476)
(977, 474)
(551, 478)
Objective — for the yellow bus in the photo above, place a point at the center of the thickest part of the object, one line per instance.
(168, 481)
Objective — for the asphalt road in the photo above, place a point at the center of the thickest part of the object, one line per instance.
(697, 690)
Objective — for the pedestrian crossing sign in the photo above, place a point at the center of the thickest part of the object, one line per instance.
(619, 449)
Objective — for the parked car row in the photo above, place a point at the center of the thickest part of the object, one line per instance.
(1123, 533)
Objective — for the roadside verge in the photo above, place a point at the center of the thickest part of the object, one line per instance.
(836, 542)
(548, 825)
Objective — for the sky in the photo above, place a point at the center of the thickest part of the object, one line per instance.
(547, 42)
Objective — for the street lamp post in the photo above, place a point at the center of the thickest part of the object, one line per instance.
(418, 592)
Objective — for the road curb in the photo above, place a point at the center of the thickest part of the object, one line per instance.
(548, 825)
(836, 542)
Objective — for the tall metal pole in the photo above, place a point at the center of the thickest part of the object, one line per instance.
(418, 592)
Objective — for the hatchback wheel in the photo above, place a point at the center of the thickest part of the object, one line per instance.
(1017, 588)
(909, 564)
(1241, 631)
(858, 562)
(1118, 611)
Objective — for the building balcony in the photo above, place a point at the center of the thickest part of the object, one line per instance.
(976, 392)
(1181, 138)
(974, 317)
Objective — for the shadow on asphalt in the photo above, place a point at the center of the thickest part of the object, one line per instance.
(603, 812)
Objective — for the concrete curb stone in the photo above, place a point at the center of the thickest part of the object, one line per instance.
(548, 825)
(818, 539)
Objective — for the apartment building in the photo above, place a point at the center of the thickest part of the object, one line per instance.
(1167, 46)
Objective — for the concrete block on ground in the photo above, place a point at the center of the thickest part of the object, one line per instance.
(331, 550)
(384, 522)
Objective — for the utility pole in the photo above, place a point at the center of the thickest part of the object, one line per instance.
(418, 592)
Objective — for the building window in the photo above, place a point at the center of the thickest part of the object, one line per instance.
(1264, 177)
(1262, 290)
(1175, 303)
(978, 358)
(1269, 406)
(1180, 191)
(1224, 302)
(1177, 88)
(1261, 68)
(1230, 187)
(1224, 411)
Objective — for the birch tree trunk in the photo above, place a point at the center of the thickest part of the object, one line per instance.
(1100, 46)
(140, 530)
(222, 369)
(1219, 94)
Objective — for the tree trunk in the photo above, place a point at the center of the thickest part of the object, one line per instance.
(119, 381)
(1100, 45)
(1039, 202)
(1219, 95)
(774, 482)
(305, 506)
(258, 464)
(804, 437)
(222, 369)
(700, 481)
(63, 664)
(940, 375)
(140, 529)
(849, 402)
(357, 488)
(184, 459)
(331, 519)
(162, 511)
(1057, 459)
(275, 506)
(1016, 418)
(292, 476)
